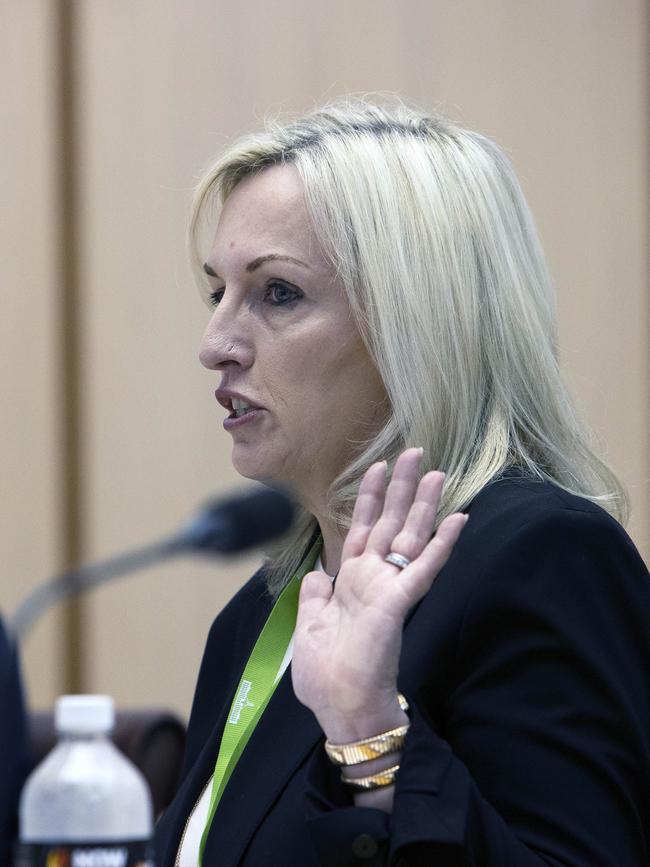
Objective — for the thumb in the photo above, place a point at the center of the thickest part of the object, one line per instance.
(315, 592)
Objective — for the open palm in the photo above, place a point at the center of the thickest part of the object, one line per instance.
(348, 636)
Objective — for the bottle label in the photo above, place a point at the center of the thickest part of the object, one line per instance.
(130, 853)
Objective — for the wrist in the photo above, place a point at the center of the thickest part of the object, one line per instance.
(343, 728)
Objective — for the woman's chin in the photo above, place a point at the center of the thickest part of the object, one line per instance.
(248, 472)
(251, 466)
(267, 471)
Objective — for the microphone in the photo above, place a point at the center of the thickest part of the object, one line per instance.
(225, 526)
(238, 523)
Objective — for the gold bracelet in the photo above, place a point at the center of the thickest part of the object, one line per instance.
(372, 781)
(356, 752)
(367, 749)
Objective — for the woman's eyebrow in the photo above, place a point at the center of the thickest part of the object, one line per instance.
(273, 257)
(256, 263)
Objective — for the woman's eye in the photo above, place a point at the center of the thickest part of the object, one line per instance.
(282, 293)
(215, 297)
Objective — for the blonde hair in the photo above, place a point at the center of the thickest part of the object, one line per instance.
(429, 230)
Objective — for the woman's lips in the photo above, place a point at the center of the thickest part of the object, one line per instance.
(235, 421)
(241, 409)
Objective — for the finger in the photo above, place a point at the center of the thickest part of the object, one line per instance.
(367, 510)
(418, 526)
(315, 591)
(420, 575)
(397, 502)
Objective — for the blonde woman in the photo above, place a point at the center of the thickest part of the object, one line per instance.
(401, 685)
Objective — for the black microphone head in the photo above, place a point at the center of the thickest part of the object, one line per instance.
(239, 522)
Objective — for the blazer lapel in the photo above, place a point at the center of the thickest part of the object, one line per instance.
(238, 642)
(284, 736)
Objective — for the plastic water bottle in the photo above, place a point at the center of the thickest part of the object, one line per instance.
(86, 804)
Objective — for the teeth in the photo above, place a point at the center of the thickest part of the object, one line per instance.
(240, 407)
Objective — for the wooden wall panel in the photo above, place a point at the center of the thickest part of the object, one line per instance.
(29, 384)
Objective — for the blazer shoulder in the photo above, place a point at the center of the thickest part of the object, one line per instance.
(522, 531)
(527, 537)
(515, 504)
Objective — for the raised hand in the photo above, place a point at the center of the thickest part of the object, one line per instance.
(348, 636)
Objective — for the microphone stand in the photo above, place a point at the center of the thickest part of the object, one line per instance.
(228, 526)
(77, 580)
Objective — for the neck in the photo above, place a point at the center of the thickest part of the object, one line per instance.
(332, 547)
(332, 537)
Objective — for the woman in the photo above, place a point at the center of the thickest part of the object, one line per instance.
(379, 296)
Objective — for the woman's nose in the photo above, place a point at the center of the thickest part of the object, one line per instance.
(225, 343)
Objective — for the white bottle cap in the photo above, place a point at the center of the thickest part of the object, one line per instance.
(84, 714)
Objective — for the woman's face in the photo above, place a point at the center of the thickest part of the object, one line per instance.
(299, 389)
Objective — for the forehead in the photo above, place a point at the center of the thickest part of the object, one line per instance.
(266, 208)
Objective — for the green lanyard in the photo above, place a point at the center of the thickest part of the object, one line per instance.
(257, 684)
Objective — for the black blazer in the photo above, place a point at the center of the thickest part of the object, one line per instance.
(527, 668)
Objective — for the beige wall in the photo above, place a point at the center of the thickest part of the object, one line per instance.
(162, 85)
